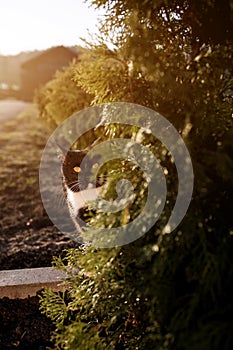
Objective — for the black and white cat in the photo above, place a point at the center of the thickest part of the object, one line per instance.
(78, 190)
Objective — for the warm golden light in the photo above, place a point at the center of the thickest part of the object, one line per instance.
(28, 25)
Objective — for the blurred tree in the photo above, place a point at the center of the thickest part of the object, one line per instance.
(60, 97)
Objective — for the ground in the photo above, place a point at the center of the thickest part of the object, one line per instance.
(27, 236)
(22, 326)
(10, 108)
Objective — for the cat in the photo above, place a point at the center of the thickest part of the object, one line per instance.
(78, 191)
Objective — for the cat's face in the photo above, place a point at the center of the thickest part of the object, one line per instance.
(73, 169)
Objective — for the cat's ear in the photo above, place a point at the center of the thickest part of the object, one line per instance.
(61, 150)
(92, 145)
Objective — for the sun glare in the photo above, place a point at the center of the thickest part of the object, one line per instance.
(27, 25)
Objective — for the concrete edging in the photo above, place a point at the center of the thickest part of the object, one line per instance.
(27, 282)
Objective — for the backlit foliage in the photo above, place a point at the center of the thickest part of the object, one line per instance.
(60, 97)
(170, 291)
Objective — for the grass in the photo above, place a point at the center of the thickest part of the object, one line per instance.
(22, 140)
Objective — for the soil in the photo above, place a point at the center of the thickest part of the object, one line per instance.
(28, 238)
(22, 326)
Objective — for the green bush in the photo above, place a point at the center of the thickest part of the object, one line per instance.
(60, 97)
(164, 291)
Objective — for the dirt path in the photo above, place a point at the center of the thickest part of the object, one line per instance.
(27, 236)
(10, 109)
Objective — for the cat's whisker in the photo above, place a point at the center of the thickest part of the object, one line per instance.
(75, 187)
(61, 201)
(72, 182)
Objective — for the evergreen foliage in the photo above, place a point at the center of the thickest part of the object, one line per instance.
(60, 97)
(170, 291)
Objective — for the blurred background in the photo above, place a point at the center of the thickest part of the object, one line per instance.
(28, 29)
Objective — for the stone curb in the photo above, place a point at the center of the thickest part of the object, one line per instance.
(27, 282)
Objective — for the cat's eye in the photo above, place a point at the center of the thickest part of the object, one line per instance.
(77, 169)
